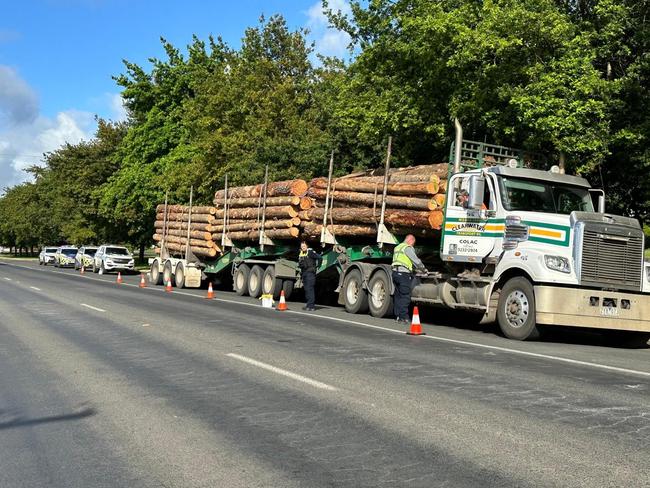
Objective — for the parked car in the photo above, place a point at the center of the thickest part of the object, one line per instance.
(64, 257)
(47, 255)
(84, 257)
(112, 258)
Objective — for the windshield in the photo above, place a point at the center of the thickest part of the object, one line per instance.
(69, 252)
(121, 251)
(543, 196)
(50, 249)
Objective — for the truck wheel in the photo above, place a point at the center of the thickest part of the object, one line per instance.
(255, 278)
(270, 284)
(380, 301)
(179, 276)
(287, 288)
(155, 277)
(167, 273)
(516, 312)
(354, 296)
(240, 282)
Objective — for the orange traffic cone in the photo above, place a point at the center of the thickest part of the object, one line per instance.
(119, 278)
(416, 327)
(168, 287)
(143, 283)
(282, 306)
(210, 294)
(83, 270)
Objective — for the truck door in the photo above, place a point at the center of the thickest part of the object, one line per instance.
(469, 235)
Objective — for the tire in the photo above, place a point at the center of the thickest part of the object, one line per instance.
(155, 276)
(380, 300)
(255, 281)
(179, 276)
(270, 284)
(167, 273)
(240, 280)
(516, 312)
(355, 297)
(287, 288)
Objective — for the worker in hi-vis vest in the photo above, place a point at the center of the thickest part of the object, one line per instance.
(405, 261)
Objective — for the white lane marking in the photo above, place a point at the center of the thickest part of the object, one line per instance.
(8, 279)
(93, 308)
(393, 331)
(283, 372)
(35, 288)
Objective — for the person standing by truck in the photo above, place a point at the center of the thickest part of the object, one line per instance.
(405, 260)
(308, 262)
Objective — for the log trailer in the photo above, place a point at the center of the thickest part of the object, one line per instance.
(525, 247)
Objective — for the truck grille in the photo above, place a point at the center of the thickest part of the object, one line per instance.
(612, 256)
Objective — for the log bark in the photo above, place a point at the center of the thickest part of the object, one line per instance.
(313, 231)
(440, 169)
(199, 251)
(369, 199)
(403, 217)
(290, 233)
(255, 202)
(184, 209)
(182, 240)
(196, 226)
(252, 213)
(359, 185)
(275, 189)
(194, 234)
(183, 217)
(252, 225)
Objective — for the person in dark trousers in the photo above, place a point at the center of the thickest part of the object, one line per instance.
(405, 261)
(308, 262)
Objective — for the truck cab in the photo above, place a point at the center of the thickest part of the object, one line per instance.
(526, 247)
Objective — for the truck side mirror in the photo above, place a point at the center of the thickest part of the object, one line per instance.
(476, 192)
(601, 199)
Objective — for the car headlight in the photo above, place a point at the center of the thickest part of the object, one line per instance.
(557, 263)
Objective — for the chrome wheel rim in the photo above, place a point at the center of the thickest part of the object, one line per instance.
(352, 292)
(517, 309)
(378, 294)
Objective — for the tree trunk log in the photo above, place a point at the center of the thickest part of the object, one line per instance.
(194, 234)
(199, 251)
(196, 226)
(182, 240)
(403, 217)
(183, 217)
(440, 199)
(184, 209)
(369, 199)
(252, 213)
(377, 185)
(253, 225)
(275, 189)
(313, 231)
(249, 235)
(254, 202)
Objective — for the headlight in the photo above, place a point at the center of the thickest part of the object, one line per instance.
(558, 263)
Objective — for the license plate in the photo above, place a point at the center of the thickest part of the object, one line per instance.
(609, 311)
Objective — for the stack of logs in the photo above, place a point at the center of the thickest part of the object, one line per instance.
(414, 200)
(294, 209)
(175, 227)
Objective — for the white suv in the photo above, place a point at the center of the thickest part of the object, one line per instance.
(112, 258)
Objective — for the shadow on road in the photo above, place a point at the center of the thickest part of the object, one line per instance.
(18, 421)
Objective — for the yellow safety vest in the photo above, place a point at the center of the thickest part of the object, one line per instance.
(400, 258)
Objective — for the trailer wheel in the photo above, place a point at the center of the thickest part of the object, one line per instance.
(240, 281)
(287, 288)
(167, 273)
(354, 296)
(255, 281)
(179, 276)
(155, 277)
(270, 284)
(380, 301)
(516, 312)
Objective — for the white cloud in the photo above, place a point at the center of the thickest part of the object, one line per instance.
(329, 41)
(118, 110)
(25, 134)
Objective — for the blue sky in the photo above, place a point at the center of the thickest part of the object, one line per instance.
(57, 58)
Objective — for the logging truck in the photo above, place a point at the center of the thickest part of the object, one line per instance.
(518, 246)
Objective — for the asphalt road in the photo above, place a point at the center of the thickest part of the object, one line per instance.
(111, 385)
